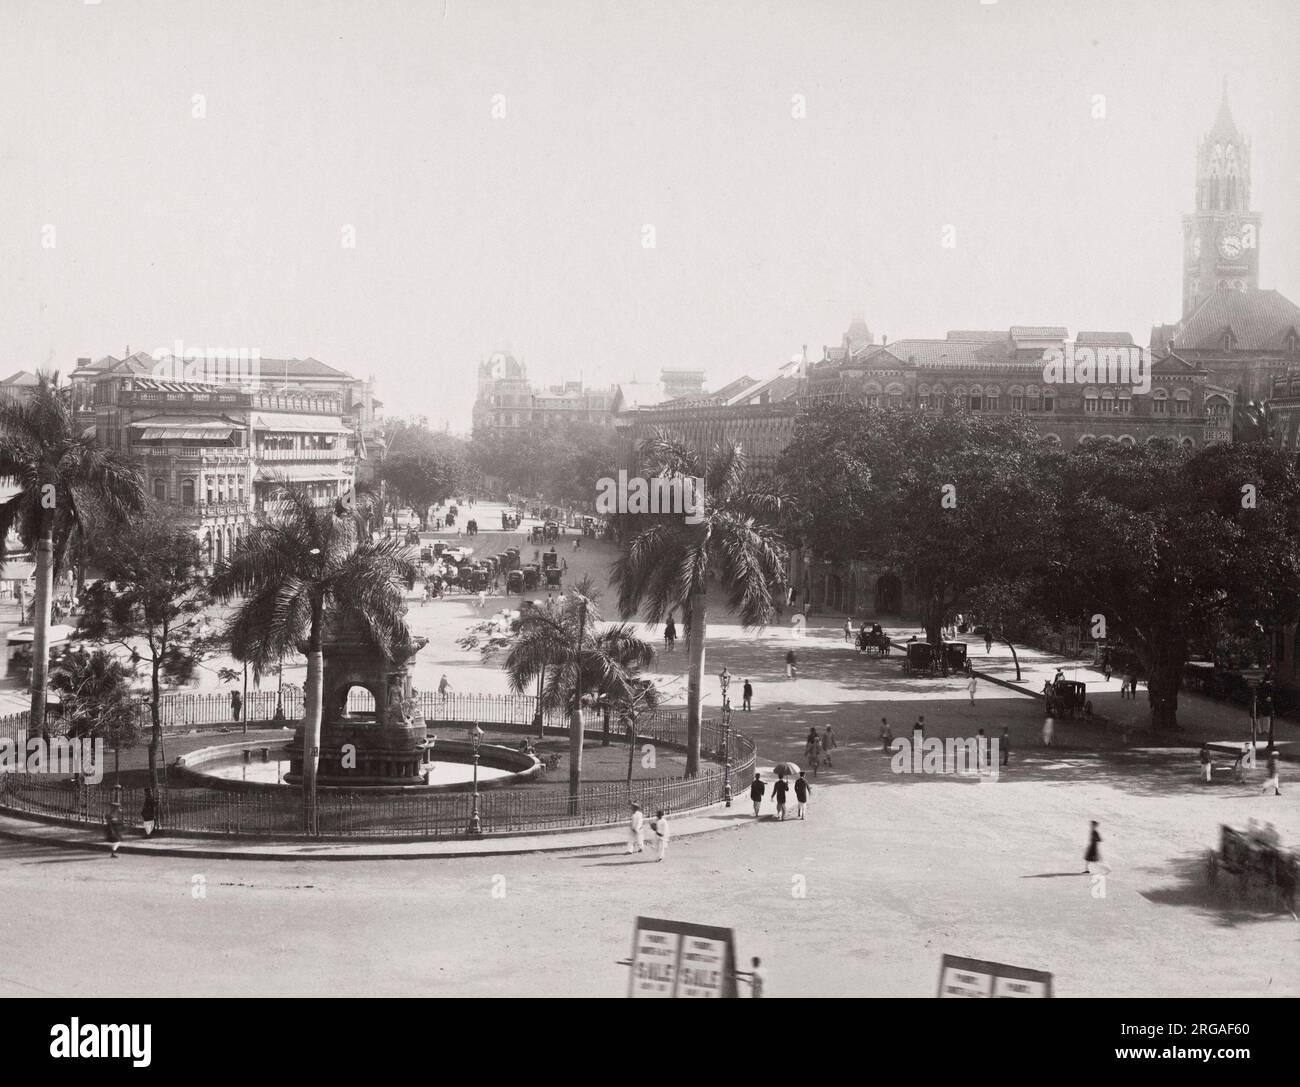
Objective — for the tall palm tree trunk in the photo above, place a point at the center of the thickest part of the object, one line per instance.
(575, 759)
(41, 635)
(694, 685)
(313, 697)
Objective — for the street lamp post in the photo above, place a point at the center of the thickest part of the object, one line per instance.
(726, 755)
(475, 823)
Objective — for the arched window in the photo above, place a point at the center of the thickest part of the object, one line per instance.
(1127, 439)
(1017, 394)
(1159, 402)
(1187, 443)
(1216, 406)
(992, 398)
(923, 397)
(1084, 439)
(1182, 402)
(1108, 401)
(1031, 397)
(894, 395)
(1049, 399)
(1090, 400)
(871, 394)
(1107, 439)
(160, 490)
(187, 492)
(1054, 439)
(976, 401)
(1124, 402)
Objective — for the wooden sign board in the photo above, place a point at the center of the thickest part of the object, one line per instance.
(679, 959)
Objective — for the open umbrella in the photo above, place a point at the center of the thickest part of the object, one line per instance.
(786, 770)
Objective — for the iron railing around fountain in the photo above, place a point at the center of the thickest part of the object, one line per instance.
(415, 815)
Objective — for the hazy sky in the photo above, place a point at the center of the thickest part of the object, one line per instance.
(475, 233)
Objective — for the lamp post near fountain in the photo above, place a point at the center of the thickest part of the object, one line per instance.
(475, 823)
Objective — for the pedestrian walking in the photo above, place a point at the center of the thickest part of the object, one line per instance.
(482, 597)
(113, 827)
(1048, 727)
(886, 735)
(1005, 745)
(148, 813)
(1105, 670)
(660, 826)
(636, 831)
(236, 704)
(816, 755)
(1093, 855)
(1207, 766)
(808, 743)
(757, 978)
(801, 791)
(988, 642)
(1274, 776)
(970, 687)
(444, 687)
(848, 630)
(829, 743)
(756, 790)
(778, 793)
(747, 697)
(791, 671)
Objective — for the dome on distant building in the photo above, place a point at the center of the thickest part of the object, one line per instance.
(858, 334)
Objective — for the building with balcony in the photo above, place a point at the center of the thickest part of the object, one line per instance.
(217, 454)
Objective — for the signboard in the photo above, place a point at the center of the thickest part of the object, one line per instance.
(960, 977)
(679, 959)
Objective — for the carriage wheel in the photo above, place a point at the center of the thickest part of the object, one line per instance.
(1211, 867)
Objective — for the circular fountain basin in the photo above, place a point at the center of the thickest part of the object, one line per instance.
(263, 769)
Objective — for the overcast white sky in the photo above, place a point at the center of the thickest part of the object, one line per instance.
(476, 233)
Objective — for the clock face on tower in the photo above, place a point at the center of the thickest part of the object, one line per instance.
(1229, 246)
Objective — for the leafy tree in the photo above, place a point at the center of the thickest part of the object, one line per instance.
(66, 482)
(1170, 548)
(563, 644)
(668, 564)
(95, 695)
(150, 601)
(292, 571)
(951, 502)
(423, 468)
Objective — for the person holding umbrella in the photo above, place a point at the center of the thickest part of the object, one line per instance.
(782, 787)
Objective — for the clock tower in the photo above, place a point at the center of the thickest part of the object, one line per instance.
(1221, 237)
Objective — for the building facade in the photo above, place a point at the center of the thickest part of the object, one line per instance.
(218, 454)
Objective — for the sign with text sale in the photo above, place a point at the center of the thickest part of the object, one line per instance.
(960, 977)
(679, 959)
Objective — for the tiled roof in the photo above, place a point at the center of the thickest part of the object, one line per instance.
(308, 367)
(1037, 332)
(1258, 321)
(979, 335)
(1105, 339)
(22, 377)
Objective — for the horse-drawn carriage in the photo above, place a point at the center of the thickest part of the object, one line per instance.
(1068, 699)
(922, 659)
(515, 581)
(1254, 859)
(874, 639)
(532, 576)
(956, 657)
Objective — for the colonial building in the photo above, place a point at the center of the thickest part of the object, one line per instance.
(217, 453)
(508, 402)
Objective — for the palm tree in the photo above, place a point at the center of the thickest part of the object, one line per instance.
(66, 481)
(97, 701)
(563, 646)
(668, 563)
(294, 569)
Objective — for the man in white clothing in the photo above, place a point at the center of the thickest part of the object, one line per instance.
(660, 826)
(636, 831)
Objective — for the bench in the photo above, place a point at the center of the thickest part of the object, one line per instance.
(1242, 756)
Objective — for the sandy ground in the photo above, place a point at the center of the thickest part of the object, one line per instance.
(888, 873)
